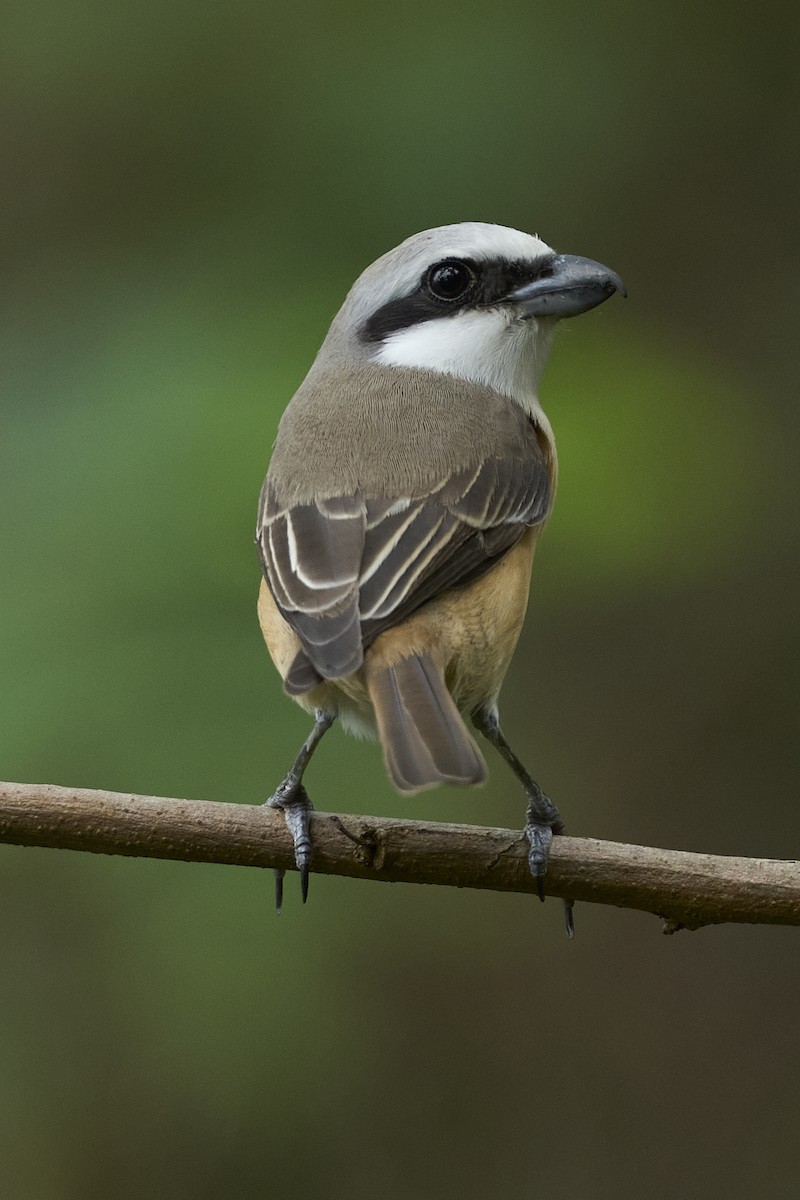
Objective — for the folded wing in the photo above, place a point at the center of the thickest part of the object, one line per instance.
(345, 568)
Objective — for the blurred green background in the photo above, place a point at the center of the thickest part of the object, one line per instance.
(189, 191)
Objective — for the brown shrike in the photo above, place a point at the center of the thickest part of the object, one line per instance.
(412, 475)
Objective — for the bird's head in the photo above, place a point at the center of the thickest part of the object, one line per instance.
(477, 301)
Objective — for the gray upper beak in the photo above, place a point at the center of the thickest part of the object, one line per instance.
(567, 286)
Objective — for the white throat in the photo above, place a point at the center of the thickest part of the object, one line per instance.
(490, 347)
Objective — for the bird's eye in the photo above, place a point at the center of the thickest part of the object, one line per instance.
(450, 280)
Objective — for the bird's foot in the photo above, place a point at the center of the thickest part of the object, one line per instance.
(292, 799)
(539, 839)
(543, 820)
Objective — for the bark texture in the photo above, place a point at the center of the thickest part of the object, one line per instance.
(688, 890)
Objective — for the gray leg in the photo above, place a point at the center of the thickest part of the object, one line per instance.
(542, 818)
(292, 798)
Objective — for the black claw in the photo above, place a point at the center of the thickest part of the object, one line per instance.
(278, 889)
(292, 799)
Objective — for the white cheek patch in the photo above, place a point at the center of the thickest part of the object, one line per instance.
(487, 347)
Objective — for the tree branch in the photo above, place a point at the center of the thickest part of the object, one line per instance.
(688, 890)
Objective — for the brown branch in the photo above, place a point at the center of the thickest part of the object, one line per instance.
(688, 890)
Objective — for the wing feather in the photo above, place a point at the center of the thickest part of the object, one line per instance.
(311, 555)
(384, 587)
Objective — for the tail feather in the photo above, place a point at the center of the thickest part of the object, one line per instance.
(424, 738)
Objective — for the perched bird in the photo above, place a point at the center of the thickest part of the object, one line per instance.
(412, 475)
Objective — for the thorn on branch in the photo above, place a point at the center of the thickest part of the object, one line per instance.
(368, 842)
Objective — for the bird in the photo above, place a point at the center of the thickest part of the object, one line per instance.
(412, 475)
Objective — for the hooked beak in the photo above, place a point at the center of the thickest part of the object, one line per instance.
(567, 285)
